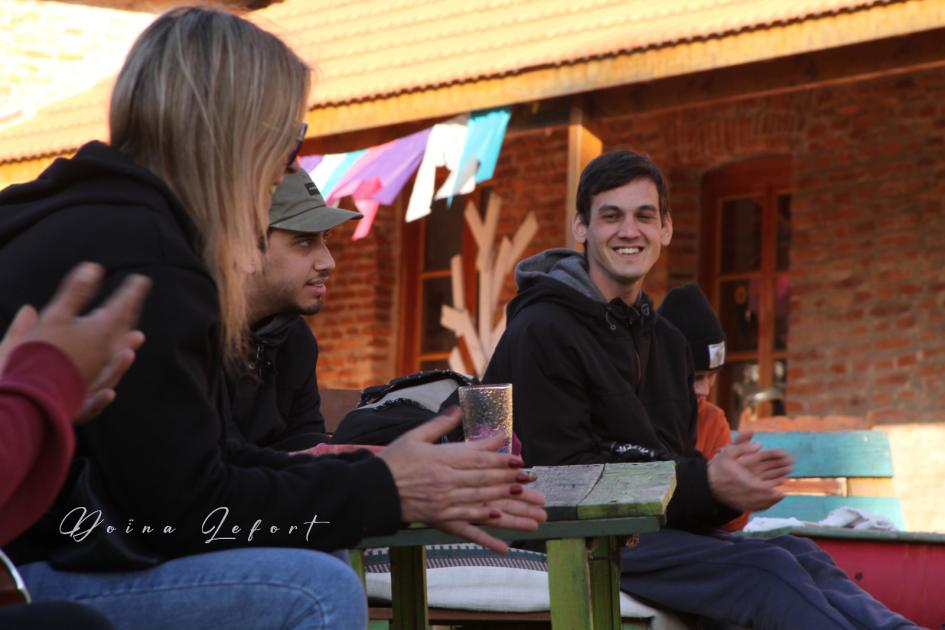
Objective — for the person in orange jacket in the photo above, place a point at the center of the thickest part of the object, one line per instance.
(687, 308)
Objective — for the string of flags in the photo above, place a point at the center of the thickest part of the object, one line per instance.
(467, 145)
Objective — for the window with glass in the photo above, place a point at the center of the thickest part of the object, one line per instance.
(428, 246)
(745, 272)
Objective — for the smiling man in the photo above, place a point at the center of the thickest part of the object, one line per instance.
(274, 395)
(600, 376)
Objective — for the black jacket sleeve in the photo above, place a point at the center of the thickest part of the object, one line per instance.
(158, 448)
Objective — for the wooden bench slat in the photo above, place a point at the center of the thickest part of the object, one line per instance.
(834, 453)
(815, 508)
(919, 538)
(653, 490)
(565, 488)
(547, 531)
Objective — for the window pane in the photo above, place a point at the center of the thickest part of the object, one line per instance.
(444, 234)
(433, 337)
(784, 232)
(739, 301)
(741, 235)
(782, 293)
(780, 374)
(737, 381)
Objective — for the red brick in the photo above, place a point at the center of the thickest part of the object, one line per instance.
(906, 360)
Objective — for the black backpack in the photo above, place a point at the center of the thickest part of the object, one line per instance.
(385, 412)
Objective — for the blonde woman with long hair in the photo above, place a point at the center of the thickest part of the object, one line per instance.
(159, 526)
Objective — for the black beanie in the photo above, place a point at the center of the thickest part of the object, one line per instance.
(687, 308)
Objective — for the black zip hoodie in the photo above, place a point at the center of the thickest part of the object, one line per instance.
(598, 382)
(157, 452)
(275, 391)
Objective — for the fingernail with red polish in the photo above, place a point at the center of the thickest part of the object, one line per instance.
(494, 513)
(515, 489)
(516, 463)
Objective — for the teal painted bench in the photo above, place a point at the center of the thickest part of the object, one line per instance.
(853, 467)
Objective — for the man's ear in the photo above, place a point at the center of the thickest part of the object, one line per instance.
(579, 229)
(666, 230)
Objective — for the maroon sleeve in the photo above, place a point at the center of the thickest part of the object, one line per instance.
(41, 391)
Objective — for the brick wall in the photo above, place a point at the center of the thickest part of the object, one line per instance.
(867, 322)
(531, 175)
(868, 268)
(356, 329)
(867, 333)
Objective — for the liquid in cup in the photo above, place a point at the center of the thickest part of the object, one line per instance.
(487, 411)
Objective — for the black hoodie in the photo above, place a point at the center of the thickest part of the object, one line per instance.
(275, 391)
(598, 382)
(157, 450)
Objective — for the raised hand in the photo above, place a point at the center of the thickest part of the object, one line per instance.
(746, 477)
(455, 486)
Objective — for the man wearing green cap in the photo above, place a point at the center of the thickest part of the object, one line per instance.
(274, 394)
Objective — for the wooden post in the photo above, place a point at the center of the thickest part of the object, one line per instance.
(356, 557)
(569, 585)
(408, 587)
(583, 146)
(605, 576)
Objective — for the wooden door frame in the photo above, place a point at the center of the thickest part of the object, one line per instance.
(765, 178)
(410, 320)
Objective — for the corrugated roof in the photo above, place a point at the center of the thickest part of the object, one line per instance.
(370, 50)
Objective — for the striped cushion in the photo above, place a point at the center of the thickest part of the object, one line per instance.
(469, 577)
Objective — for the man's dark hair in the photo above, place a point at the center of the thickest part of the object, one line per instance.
(614, 169)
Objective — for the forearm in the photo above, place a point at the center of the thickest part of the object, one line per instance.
(40, 392)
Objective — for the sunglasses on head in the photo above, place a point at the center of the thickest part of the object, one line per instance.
(298, 145)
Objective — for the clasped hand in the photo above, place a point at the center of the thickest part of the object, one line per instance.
(453, 487)
(746, 477)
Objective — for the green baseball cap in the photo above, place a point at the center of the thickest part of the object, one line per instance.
(297, 205)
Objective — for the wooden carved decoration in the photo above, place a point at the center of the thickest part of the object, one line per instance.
(479, 334)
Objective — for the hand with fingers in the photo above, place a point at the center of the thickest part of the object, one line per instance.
(773, 463)
(746, 477)
(101, 344)
(454, 487)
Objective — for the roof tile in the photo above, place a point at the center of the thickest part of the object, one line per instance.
(367, 49)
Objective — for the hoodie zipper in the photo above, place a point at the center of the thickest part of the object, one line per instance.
(636, 350)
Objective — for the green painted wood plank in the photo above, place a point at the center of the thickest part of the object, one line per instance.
(565, 487)
(604, 569)
(356, 557)
(546, 531)
(569, 585)
(408, 580)
(917, 538)
(649, 485)
(815, 508)
(378, 624)
(834, 453)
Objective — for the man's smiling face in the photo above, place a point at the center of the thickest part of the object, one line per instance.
(624, 237)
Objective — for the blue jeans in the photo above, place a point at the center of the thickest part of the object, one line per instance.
(265, 588)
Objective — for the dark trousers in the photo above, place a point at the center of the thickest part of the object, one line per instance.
(52, 616)
(783, 582)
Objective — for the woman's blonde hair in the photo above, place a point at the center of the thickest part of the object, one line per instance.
(212, 104)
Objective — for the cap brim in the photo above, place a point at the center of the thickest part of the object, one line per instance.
(317, 220)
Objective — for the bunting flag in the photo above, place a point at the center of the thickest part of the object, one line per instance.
(444, 149)
(483, 143)
(468, 145)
